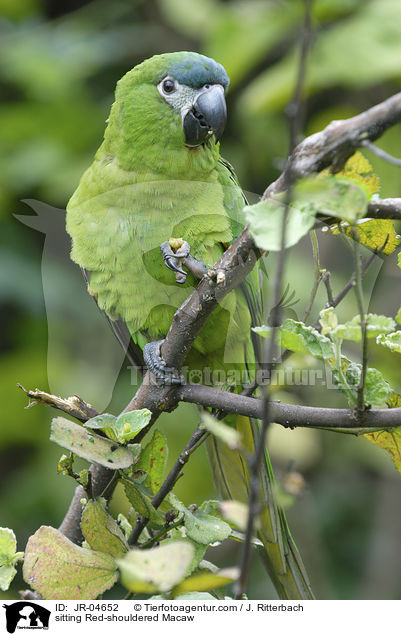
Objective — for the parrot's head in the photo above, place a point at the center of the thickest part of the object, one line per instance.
(172, 101)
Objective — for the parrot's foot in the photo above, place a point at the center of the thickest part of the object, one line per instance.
(177, 252)
(156, 364)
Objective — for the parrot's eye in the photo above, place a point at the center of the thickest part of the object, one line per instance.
(168, 86)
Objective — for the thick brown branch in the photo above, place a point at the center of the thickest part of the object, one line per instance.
(385, 209)
(290, 415)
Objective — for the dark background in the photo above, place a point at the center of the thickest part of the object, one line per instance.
(59, 62)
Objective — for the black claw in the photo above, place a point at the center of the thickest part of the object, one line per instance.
(169, 258)
(155, 364)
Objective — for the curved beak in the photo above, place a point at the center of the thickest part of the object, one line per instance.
(207, 116)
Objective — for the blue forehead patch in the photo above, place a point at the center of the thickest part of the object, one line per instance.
(196, 70)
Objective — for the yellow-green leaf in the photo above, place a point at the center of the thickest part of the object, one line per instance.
(377, 234)
(58, 569)
(153, 461)
(101, 531)
(359, 169)
(8, 557)
(394, 401)
(390, 440)
(205, 581)
(89, 445)
(141, 502)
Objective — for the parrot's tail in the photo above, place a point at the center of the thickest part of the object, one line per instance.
(279, 552)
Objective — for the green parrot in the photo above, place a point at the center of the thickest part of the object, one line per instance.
(158, 198)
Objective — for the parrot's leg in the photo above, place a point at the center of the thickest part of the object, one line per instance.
(156, 364)
(177, 252)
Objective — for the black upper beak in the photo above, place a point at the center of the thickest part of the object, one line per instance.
(207, 116)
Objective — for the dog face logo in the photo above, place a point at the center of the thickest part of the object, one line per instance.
(26, 615)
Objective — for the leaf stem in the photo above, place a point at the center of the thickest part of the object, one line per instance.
(359, 300)
(318, 275)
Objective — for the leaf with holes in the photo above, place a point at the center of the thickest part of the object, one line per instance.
(89, 445)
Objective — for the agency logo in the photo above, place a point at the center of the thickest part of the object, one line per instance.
(26, 615)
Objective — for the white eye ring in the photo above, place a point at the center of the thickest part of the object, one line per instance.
(168, 86)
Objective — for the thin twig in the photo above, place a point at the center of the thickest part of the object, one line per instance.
(197, 438)
(74, 405)
(395, 161)
(318, 275)
(161, 534)
(350, 284)
(359, 300)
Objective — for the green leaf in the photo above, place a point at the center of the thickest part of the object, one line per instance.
(225, 433)
(58, 569)
(128, 425)
(377, 234)
(394, 401)
(200, 526)
(101, 531)
(235, 512)
(328, 320)
(377, 390)
(89, 445)
(266, 219)
(376, 325)
(204, 581)
(141, 502)
(331, 195)
(390, 440)
(392, 341)
(105, 420)
(8, 557)
(153, 461)
(122, 428)
(204, 528)
(155, 570)
(124, 524)
(398, 316)
(298, 337)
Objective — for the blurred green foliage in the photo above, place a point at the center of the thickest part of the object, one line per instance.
(59, 62)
